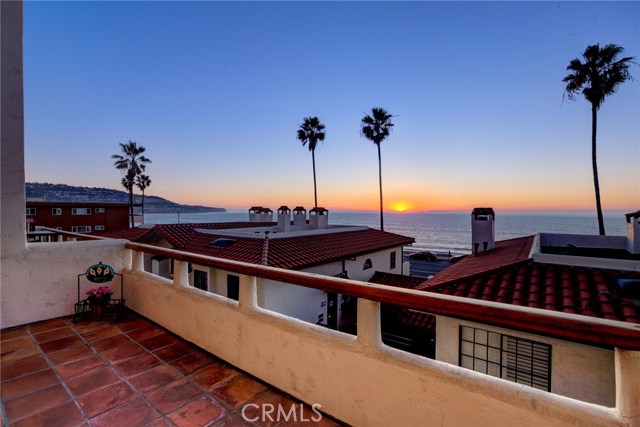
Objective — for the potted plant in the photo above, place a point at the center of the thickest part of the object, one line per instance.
(99, 298)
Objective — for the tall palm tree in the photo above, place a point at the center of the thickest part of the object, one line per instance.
(143, 182)
(311, 131)
(598, 77)
(376, 128)
(132, 163)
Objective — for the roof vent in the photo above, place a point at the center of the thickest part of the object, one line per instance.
(221, 243)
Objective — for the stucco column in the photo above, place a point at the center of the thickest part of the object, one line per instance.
(248, 296)
(628, 385)
(369, 327)
(180, 273)
(137, 261)
(12, 204)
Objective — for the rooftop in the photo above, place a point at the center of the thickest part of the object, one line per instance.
(290, 251)
(129, 373)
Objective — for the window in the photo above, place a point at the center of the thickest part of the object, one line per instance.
(233, 287)
(200, 280)
(99, 210)
(56, 211)
(81, 229)
(392, 260)
(31, 211)
(81, 211)
(99, 227)
(367, 264)
(515, 359)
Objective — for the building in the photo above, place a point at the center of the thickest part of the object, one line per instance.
(293, 243)
(78, 217)
(356, 379)
(594, 276)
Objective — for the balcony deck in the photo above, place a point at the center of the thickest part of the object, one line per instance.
(132, 373)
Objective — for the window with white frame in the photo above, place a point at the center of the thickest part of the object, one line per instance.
(504, 356)
(31, 211)
(99, 227)
(81, 211)
(81, 229)
(56, 211)
(99, 210)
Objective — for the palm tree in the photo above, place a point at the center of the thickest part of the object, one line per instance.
(376, 128)
(143, 182)
(598, 77)
(132, 163)
(311, 131)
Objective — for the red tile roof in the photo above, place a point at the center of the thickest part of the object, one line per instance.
(301, 251)
(126, 233)
(288, 252)
(506, 252)
(579, 290)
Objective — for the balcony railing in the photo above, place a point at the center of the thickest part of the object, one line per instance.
(360, 380)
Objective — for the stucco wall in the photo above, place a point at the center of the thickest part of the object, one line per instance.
(358, 382)
(579, 371)
(302, 303)
(42, 282)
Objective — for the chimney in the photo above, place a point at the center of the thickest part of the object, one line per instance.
(299, 216)
(633, 232)
(266, 215)
(482, 230)
(319, 218)
(284, 219)
(254, 213)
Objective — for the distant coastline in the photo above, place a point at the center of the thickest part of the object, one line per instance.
(68, 193)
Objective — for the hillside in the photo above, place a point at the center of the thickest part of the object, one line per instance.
(68, 193)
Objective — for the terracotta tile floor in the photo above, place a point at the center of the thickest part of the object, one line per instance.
(132, 373)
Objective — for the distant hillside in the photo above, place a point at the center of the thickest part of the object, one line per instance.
(68, 193)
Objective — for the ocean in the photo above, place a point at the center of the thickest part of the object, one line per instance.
(442, 231)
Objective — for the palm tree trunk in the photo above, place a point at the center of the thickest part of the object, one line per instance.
(143, 206)
(380, 176)
(131, 205)
(315, 191)
(596, 184)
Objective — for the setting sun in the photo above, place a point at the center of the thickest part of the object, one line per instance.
(400, 207)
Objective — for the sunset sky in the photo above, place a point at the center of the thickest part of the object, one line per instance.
(216, 91)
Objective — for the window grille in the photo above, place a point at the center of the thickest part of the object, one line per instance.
(504, 356)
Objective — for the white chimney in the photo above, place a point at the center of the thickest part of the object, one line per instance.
(254, 211)
(482, 230)
(633, 232)
(299, 216)
(266, 215)
(319, 218)
(284, 218)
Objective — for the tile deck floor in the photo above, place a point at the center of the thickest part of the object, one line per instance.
(133, 373)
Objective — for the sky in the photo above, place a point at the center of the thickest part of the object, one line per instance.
(216, 91)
